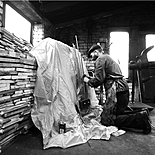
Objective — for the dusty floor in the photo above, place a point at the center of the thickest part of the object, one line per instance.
(128, 144)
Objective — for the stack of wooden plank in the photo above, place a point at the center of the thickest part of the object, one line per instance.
(17, 82)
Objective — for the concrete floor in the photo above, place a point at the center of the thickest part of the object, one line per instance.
(128, 144)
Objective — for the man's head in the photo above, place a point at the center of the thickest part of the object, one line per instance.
(94, 51)
(103, 42)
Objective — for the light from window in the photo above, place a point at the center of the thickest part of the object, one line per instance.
(119, 50)
(17, 24)
(150, 40)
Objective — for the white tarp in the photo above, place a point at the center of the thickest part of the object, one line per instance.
(58, 89)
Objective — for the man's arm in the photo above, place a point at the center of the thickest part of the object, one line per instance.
(99, 74)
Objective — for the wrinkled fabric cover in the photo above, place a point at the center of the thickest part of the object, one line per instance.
(58, 88)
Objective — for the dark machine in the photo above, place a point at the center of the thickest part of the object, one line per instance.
(143, 76)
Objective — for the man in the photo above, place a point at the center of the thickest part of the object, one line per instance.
(108, 73)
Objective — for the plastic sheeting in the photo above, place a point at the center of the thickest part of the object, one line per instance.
(58, 89)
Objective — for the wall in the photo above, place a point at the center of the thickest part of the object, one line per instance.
(136, 19)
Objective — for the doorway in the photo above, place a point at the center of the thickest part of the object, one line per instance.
(119, 50)
(150, 40)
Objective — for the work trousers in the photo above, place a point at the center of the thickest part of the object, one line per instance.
(127, 118)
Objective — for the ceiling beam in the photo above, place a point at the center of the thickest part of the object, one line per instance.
(27, 9)
(101, 15)
(52, 6)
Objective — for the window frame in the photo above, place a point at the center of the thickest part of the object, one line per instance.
(18, 11)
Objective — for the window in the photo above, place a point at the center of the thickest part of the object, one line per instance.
(150, 40)
(17, 24)
(119, 50)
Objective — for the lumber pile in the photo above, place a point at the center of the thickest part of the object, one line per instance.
(17, 81)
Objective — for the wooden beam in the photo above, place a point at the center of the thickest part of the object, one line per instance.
(52, 6)
(26, 8)
(102, 15)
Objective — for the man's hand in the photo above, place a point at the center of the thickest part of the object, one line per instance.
(85, 79)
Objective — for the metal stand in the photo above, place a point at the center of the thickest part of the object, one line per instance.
(141, 67)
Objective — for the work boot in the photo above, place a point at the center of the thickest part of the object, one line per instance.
(136, 122)
(146, 122)
(148, 113)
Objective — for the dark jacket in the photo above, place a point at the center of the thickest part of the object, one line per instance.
(107, 69)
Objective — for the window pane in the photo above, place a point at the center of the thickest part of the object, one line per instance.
(17, 24)
(119, 50)
(150, 40)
